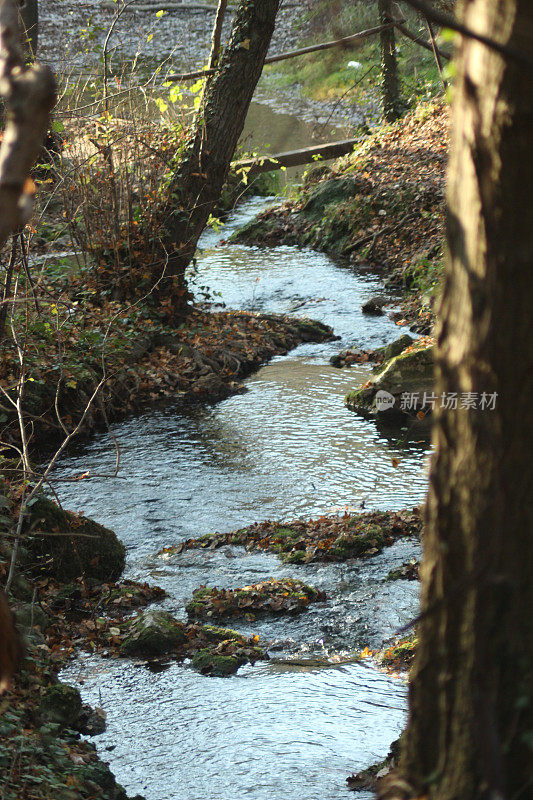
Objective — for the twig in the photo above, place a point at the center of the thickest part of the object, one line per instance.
(14, 551)
(7, 285)
(447, 21)
(436, 53)
(420, 40)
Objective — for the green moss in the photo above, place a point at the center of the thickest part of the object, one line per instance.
(286, 532)
(61, 704)
(296, 557)
(215, 633)
(359, 399)
(354, 547)
(152, 633)
(258, 230)
(394, 349)
(221, 666)
(401, 654)
(68, 546)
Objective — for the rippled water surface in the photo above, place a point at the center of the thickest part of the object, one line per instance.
(270, 732)
(285, 448)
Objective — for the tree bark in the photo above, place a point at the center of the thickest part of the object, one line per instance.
(470, 729)
(390, 79)
(202, 171)
(29, 95)
(10, 645)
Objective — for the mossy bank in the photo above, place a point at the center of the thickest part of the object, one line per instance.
(381, 206)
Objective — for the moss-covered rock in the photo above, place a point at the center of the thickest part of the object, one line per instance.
(224, 651)
(215, 664)
(67, 546)
(61, 704)
(394, 348)
(152, 633)
(260, 230)
(324, 539)
(329, 192)
(100, 776)
(31, 616)
(285, 596)
(400, 655)
(311, 330)
(402, 388)
(411, 371)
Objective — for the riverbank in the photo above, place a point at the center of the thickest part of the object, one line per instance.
(134, 360)
(381, 207)
(67, 595)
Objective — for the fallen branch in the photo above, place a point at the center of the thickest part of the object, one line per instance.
(345, 41)
(170, 7)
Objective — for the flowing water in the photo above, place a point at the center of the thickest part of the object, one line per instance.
(285, 448)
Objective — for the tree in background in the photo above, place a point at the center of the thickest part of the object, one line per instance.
(393, 106)
(203, 169)
(470, 729)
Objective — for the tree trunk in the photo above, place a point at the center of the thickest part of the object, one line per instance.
(204, 167)
(470, 730)
(29, 94)
(10, 645)
(390, 79)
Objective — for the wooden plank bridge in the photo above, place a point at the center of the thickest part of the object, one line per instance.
(295, 158)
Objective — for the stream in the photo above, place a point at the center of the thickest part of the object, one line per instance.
(285, 448)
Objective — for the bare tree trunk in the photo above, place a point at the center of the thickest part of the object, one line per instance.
(470, 731)
(390, 79)
(220, 120)
(29, 95)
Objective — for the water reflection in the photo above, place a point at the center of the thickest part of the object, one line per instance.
(267, 733)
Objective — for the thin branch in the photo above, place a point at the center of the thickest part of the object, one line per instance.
(7, 285)
(420, 40)
(217, 34)
(345, 41)
(436, 53)
(448, 21)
